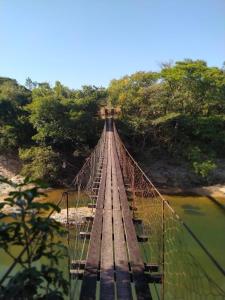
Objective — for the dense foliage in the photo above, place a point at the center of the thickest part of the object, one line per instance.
(178, 112)
(51, 128)
(34, 273)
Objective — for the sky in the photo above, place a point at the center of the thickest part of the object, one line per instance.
(81, 42)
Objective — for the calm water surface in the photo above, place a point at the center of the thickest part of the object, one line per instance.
(205, 218)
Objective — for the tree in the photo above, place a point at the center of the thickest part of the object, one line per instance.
(66, 118)
(30, 84)
(49, 117)
(194, 88)
(8, 139)
(13, 116)
(40, 163)
(180, 107)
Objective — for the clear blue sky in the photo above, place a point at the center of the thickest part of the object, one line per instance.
(93, 41)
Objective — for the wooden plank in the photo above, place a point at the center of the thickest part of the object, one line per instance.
(142, 238)
(136, 262)
(77, 264)
(84, 235)
(88, 288)
(101, 191)
(116, 201)
(107, 260)
(76, 274)
(123, 285)
(108, 192)
(152, 267)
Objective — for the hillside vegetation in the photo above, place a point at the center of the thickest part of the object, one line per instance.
(177, 113)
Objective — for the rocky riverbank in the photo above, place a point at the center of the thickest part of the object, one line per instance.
(9, 168)
(171, 173)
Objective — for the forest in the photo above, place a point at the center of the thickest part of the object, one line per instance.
(178, 113)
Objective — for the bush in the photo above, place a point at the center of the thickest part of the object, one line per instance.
(204, 168)
(201, 165)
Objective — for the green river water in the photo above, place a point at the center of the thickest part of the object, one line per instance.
(205, 218)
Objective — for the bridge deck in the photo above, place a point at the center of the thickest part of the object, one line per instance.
(113, 256)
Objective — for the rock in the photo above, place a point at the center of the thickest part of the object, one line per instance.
(76, 216)
(7, 209)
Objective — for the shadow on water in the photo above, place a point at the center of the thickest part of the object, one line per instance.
(192, 210)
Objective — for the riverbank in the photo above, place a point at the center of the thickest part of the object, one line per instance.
(10, 167)
(168, 172)
(217, 190)
(167, 176)
(215, 194)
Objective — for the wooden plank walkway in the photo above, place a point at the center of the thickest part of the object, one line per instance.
(113, 249)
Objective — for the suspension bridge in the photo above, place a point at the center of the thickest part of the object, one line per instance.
(132, 245)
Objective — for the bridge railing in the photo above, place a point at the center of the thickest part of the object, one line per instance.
(85, 176)
(77, 212)
(188, 269)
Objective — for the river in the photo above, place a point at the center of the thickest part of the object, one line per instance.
(201, 213)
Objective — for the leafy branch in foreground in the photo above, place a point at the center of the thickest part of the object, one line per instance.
(30, 228)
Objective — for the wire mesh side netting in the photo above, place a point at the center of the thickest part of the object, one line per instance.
(77, 212)
(188, 270)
